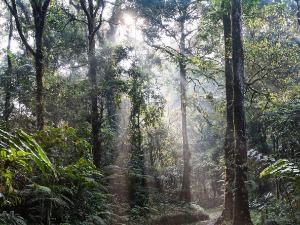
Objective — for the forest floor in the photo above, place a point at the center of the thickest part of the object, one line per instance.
(213, 215)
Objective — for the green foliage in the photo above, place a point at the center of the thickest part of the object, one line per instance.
(65, 141)
(283, 167)
(138, 194)
(67, 100)
(255, 217)
(78, 197)
(76, 194)
(11, 219)
(18, 150)
(286, 174)
(42, 203)
(88, 196)
(271, 54)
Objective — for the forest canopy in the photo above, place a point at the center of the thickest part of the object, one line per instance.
(149, 112)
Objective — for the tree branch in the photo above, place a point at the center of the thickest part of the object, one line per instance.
(13, 10)
(83, 6)
(172, 52)
(100, 18)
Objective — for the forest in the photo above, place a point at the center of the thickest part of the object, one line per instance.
(150, 112)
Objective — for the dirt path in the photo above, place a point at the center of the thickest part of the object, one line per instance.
(213, 215)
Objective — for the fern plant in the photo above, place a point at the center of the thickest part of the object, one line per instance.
(42, 204)
(287, 172)
(11, 219)
(17, 151)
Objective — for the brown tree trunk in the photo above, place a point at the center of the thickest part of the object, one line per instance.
(185, 194)
(138, 192)
(94, 104)
(241, 214)
(227, 214)
(8, 106)
(90, 12)
(298, 12)
(39, 11)
(39, 14)
(39, 70)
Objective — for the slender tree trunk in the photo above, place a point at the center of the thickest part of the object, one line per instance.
(110, 100)
(110, 87)
(39, 12)
(185, 194)
(227, 214)
(112, 116)
(90, 11)
(94, 104)
(8, 105)
(138, 193)
(241, 214)
(39, 69)
(298, 12)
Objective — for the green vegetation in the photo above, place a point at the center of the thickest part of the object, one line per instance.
(149, 112)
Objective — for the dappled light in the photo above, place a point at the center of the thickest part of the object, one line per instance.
(129, 19)
(146, 112)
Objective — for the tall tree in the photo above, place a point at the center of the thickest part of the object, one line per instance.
(173, 19)
(227, 214)
(93, 12)
(8, 106)
(138, 195)
(298, 11)
(241, 213)
(185, 193)
(39, 12)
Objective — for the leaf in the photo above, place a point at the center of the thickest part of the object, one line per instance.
(281, 167)
(37, 151)
(21, 147)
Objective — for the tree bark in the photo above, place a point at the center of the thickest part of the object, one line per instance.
(8, 106)
(138, 193)
(94, 104)
(227, 214)
(111, 106)
(39, 12)
(298, 12)
(90, 12)
(241, 214)
(185, 194)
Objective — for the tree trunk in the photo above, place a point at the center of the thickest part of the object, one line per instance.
(138, 193)
(94, 104)
(39, 11)
(227, 214)
(185, 194)
(241, 214)
(8, 106)
(93, 26)
(298, 12)
(111, 106)
(39, 70)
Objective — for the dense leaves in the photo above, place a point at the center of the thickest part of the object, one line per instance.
(128, 86)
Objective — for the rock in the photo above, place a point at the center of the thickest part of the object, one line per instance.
(180, 218)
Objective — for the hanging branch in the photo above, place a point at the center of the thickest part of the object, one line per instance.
(13, 9)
